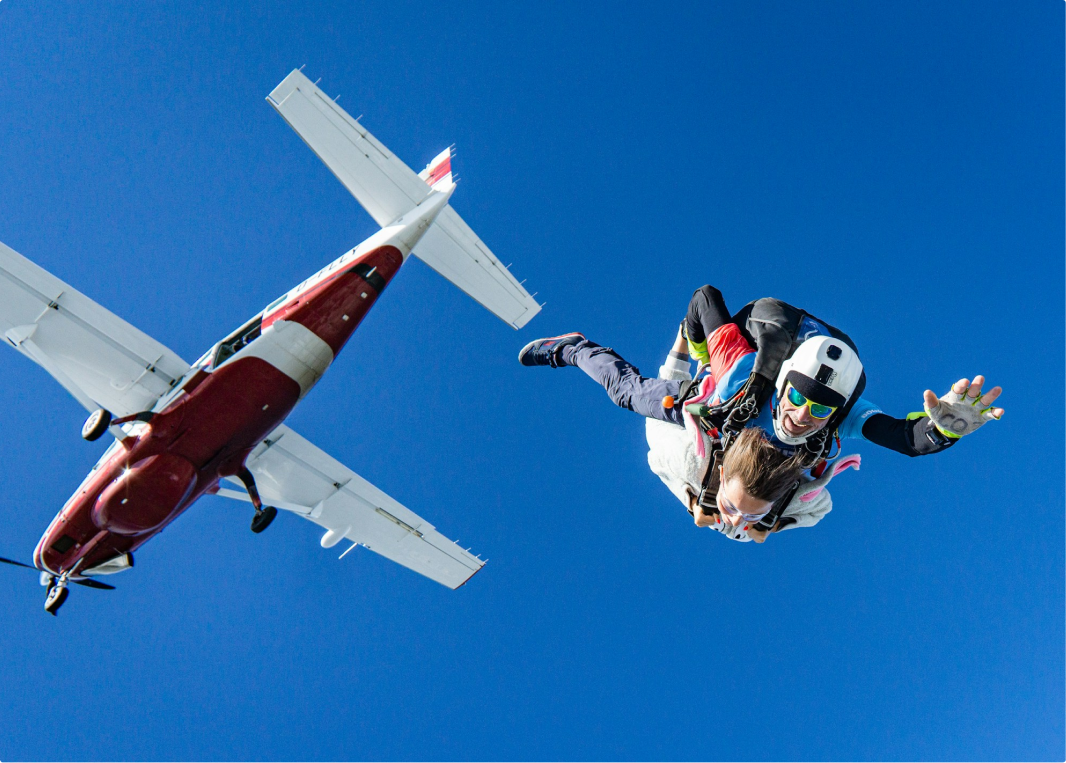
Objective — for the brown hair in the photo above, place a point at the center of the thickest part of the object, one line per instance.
(764, 471)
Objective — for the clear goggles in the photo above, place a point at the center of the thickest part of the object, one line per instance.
(728, 508)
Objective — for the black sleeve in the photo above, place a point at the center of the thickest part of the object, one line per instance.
(773, 325)
(916, 437)
(706, 312)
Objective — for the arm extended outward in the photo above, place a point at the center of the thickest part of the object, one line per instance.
(960, 412)
(911, 437)
(773, 328)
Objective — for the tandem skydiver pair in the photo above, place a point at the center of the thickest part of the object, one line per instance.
(750, 442)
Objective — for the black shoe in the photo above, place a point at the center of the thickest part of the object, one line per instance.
(545, 352)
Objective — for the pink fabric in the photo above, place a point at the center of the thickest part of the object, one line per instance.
(704, 392)
(852, 461)
(726, 345)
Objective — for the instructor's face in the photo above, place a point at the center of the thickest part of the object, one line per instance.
(797, 421)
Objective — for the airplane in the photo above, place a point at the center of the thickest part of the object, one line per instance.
(182, 431)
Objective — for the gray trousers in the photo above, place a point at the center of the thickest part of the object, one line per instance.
(623, 382)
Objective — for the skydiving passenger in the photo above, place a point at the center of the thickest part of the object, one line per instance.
(770, 352)
(753, 476)
(683, 460)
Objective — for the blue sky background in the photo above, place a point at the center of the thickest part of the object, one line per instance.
(895, 168)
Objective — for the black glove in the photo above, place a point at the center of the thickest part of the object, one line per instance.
(756, 392)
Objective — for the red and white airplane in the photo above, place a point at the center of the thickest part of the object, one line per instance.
(181, 430)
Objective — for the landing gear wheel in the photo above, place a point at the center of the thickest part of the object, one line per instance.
(262, 519)
(56, 596)
(95, 426)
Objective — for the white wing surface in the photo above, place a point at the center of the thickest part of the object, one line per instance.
(387, 188)
(295, 475)
(452, 249)
(100, 359)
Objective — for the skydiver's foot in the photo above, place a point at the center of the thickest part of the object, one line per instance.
(545, 352)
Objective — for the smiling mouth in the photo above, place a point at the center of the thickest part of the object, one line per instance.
(793, 427)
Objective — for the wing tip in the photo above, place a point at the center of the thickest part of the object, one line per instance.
(471, 575)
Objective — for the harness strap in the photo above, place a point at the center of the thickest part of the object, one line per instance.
(766, 524)
(708, 497)
(732, 415)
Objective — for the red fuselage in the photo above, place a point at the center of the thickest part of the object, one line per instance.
(225, 407)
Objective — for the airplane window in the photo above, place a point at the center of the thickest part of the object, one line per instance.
(275, 303)
(237, 341)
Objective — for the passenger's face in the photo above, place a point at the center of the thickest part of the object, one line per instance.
(734, 503)
(797, 420)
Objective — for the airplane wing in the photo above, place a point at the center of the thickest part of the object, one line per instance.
(100, 359)
(294, 475)
(387, 188)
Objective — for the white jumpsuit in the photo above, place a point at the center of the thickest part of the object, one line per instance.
(673, 456)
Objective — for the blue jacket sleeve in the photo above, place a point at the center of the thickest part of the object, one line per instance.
(852, 428)
(911, 437)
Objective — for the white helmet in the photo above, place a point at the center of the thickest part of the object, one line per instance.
(823, 369)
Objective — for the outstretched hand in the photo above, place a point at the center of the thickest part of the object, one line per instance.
(963, 409)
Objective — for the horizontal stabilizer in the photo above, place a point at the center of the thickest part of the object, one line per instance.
(387, 188)
(452, 249)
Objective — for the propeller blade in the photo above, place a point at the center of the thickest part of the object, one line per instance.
(17, 564)
(88, 583)
(94, 584)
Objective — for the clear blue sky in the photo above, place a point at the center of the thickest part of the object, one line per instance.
(896, 168)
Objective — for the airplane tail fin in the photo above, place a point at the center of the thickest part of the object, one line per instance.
(388, 189)
(438, 173)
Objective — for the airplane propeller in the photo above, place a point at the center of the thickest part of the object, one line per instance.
(88, 583)
(17, 564)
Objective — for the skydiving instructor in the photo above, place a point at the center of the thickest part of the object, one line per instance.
(810, 374)
(776, 367)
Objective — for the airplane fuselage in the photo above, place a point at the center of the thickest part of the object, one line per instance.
(228, 402)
